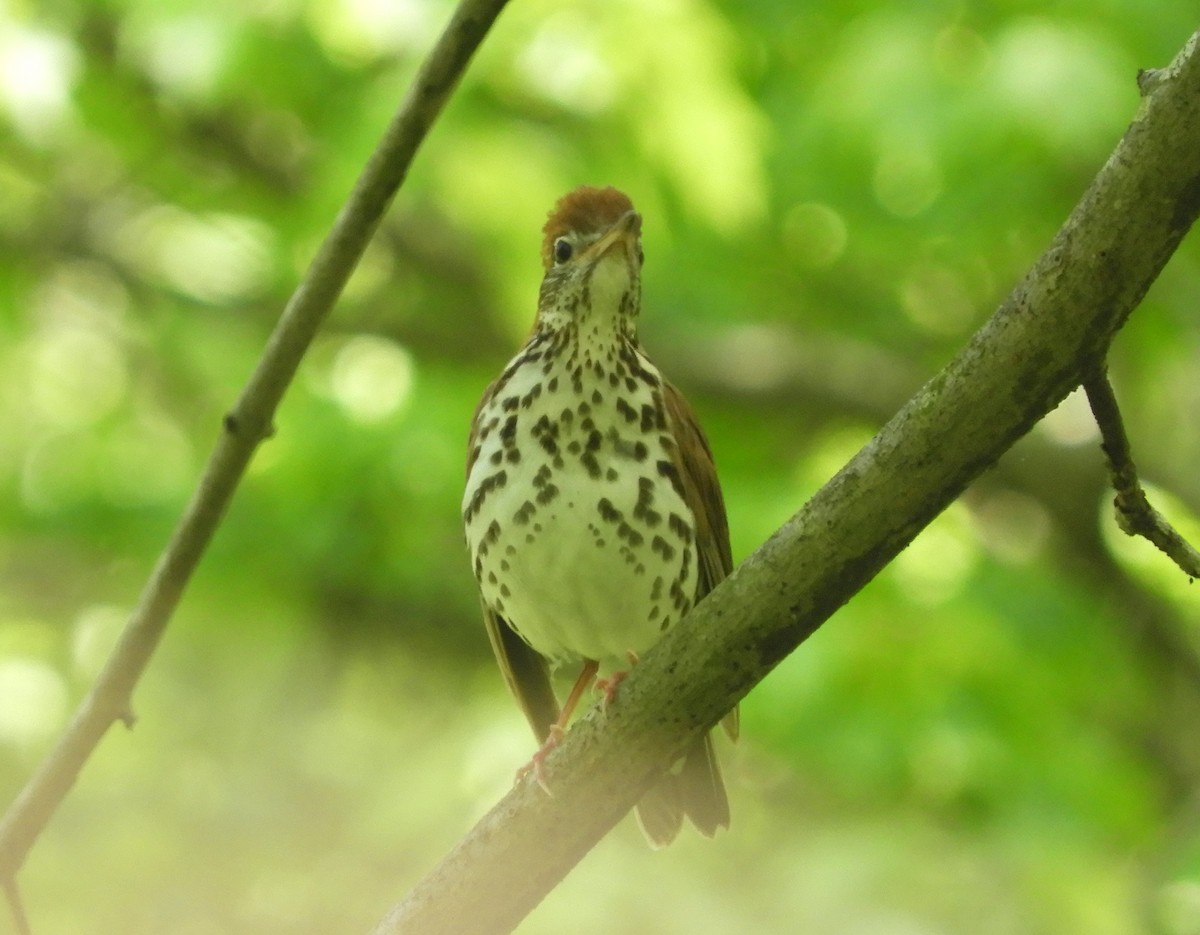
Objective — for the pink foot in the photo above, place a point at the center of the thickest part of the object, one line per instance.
(609, 685)
(536, 765)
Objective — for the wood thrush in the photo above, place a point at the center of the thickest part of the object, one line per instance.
(593, 513)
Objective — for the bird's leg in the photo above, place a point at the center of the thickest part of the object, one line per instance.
(559, 727)
(609, 685)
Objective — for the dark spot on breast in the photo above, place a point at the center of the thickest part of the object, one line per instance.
(662, 547)
(492, 534)
(680, 527)
(667, 469)
(608, 512)
(679, 598)
(486, 486)
(629, 534)
(534, 392)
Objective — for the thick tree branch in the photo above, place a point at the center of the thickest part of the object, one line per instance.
(1050, 333)
(1135, 515)
(245, 427)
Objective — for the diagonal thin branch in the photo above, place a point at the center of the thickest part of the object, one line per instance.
(16, 907)
(1135, 515)
(1048, 335)
(246, 426)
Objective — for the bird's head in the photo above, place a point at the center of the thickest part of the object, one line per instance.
(592, 254)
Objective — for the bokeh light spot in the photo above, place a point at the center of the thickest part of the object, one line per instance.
(938, 299)
(217, 258)
(561, 63)
(907, 179)
(76, 375)
(37, 69)
(1012, 526)
(95, 634)
(144, 461)
(1178, 907)
(814, 234)
(371, 377)
(1071, 422)
(937, 564)
(33, 701)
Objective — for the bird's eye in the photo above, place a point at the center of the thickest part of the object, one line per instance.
(562, 250)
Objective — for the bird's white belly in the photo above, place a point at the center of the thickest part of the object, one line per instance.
(577, 589)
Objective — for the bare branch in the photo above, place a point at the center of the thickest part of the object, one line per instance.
(248, 424)
(16, 907)
(1135, 515)
(1042, 342)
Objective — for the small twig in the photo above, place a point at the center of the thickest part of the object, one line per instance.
(1135, 515)
(20, 919)
(248, 424)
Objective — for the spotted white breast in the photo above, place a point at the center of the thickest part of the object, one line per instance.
(577, 525)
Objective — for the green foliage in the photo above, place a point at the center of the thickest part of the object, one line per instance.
(998, 735)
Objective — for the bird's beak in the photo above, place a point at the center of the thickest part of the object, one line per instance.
(622, 235)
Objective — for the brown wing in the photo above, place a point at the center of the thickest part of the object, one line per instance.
(702, 493)
(525, 671)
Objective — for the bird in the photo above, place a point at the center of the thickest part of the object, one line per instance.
(593, 514)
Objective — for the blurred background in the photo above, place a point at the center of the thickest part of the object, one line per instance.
(1001, 734)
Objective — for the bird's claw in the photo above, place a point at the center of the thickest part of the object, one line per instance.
(609, 685)
(536, 764)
